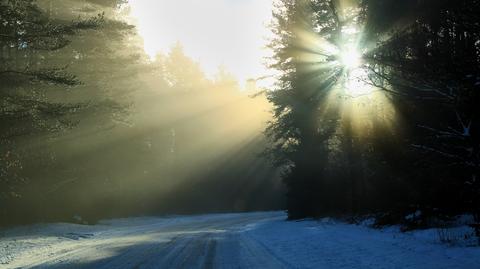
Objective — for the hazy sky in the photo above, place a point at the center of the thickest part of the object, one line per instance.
(214, 32)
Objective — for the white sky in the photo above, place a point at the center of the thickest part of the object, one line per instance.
(232, 33)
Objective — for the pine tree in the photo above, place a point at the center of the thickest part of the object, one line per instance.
(303, 122)
(431, 64)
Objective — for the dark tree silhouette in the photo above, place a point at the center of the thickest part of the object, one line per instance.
(424, 56)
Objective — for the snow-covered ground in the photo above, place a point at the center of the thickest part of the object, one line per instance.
(250, 240)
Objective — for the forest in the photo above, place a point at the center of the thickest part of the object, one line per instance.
(92, 128)
(392, 130)
(373, 111)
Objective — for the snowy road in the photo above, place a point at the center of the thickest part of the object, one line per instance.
(251, 240)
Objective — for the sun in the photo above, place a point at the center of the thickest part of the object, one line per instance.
(355, 74)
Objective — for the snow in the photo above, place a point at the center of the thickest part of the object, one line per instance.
(247, 240)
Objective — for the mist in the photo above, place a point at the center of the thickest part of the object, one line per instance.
(133, 134)
(239, 134)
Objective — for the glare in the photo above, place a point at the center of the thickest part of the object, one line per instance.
(233, 34)
(355, 75)
(360, 103)
(350, 58)
(356, 85)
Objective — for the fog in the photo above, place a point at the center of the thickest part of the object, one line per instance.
(136, 135)
(114, 108)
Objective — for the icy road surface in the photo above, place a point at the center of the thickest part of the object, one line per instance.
(250, 240)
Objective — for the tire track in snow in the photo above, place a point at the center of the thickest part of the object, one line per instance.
(186, 242)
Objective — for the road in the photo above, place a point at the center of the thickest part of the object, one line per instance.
(212, 241)
(248, 240)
